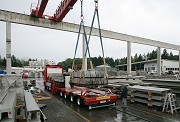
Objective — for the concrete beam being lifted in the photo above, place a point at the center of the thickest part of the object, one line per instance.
(64, 26)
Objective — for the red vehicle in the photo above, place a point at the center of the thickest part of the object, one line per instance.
(55, 81)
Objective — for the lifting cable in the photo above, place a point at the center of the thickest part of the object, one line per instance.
(85, 37)
(96, 12)
(79, 32)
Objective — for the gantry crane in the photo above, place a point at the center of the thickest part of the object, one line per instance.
(60, 12)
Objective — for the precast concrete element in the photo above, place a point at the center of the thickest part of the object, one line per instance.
(129, 58)
(8, 47)
(129, 82)
(32, 109)
(89, 78)
(7, 111)
(158, 61)
(70, 27)
(83, 52)
(152, 96)
(7, 82)
(165, 83)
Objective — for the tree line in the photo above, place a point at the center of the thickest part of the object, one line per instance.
(114, 62)
(96, 60)
(15, 62)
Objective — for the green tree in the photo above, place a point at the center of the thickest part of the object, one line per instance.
(116, 62)
(165, 54)
(14, 61)
(100, 60)
(0, 61)
(136, 58)
(140, 58)
(152, 55)
(25, 63)
(4, 62)
(171, 56)
(176, 57)
(95, 61)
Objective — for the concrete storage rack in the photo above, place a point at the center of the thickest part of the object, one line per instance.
(165, 83)
(7, 107)
(32, 110)
(151, 96)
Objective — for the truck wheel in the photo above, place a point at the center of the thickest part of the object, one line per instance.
(71, 97)
(89, 107)
(61, 93)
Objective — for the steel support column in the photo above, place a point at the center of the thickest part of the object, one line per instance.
(83, 52)
(8, 47)
(158, 61)
(129, 58)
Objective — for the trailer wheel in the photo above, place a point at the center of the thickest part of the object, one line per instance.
(72, 98)
(45, 87)
(65, 95)
(114, 103)
(61, 93)
(89, 107)
(79, 101)
(48, 88)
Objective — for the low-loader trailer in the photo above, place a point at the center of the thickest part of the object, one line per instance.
(58, 83)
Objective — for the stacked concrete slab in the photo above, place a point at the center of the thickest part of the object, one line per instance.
(130, 82)
(56, 77)
(89, 78)
(165, 83)
(152, 96)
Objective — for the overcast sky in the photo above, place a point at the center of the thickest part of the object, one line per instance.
(153, 19)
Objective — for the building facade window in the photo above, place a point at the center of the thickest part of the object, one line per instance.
(152, 68)
(146, 69)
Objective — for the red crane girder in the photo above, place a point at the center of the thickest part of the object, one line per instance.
(63, 9)
(40, 8)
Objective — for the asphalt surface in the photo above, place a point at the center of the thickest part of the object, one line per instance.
(60, 109)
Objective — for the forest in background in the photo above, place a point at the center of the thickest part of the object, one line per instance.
(16, 62)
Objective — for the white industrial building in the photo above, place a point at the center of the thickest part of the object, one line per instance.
(34, 69)
(166, 66)
(40, 64)
(150, 66)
